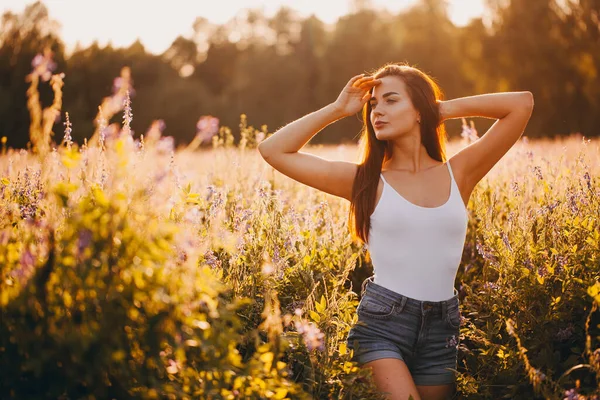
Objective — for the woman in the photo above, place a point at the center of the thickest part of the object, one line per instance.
(408, 204)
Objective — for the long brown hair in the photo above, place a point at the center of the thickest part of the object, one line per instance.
(424, 93)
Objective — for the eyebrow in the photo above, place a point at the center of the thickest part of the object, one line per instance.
(385, 95)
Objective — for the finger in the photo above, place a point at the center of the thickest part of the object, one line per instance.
(355, 78)
(366, 97)
(366, 85)
(362, 80)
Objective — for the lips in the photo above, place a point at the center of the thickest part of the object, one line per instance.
(379, 124)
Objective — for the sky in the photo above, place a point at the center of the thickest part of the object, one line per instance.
(158, 23)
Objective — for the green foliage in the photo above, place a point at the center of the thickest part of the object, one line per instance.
(130, 273)
(286, 65)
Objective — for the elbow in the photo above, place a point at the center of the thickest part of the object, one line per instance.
(262, 150)
(528, 100)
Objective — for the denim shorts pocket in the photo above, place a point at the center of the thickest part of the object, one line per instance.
(453, 317)
(374, 307)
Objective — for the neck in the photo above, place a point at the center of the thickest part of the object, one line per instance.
(409, 154)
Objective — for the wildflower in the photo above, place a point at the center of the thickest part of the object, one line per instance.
(572, 201)
(551, 207)
(211, 260)
(217, 202)
(127, 115)
(528, 264)
(542, 271)
(538, 375)
(469, 133)
(262, 193)
(572, 395)
(588, 180)
(468, 267)
(67, 139)
(43, 65)
(538, 172)
(154, 133)
(452, 342)
(288, 244)
(26, 267)
(484, 253)
(124, 83)
(311, 334)
(564, 334)
(506, 242)
(165, 145)
(207, 127)
(491, 285)
(83, 241)
(514, 186)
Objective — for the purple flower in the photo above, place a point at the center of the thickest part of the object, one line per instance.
(43, 65)
(571, 394)
(26, 267)
(491, 285)
(468, 267)
(83, 241)
(452, 341)
(542, 271)
(485, 253)
(528, 264)
(515, 186)
(207, 127)
(572, 202)
(506, 242)
(564, 334)
(588, 180)
(165, 144)
(313, 337)
(211, 260)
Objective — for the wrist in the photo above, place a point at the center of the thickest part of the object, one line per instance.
(443, 110)
(335, 111)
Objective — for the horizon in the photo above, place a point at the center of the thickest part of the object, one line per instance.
(109, 27)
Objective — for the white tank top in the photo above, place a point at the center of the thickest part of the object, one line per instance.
(416, 251)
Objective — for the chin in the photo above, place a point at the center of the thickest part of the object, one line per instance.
(386, 137)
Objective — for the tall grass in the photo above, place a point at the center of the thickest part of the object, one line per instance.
(132, 269)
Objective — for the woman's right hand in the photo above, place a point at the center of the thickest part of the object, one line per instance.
(355, 94)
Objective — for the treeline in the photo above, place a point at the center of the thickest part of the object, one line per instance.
(276, 69)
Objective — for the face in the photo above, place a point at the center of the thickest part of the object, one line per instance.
(392, 111)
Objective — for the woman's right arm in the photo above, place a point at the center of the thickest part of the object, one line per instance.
(281, 150)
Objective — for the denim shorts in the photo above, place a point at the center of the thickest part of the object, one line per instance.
(424, 334)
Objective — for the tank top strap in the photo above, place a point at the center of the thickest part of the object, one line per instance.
(382, 178)
(450, 170)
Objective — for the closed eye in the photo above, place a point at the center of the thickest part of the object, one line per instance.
(388, 101)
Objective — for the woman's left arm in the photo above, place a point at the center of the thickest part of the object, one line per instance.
(490, 105)
(511, 109)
